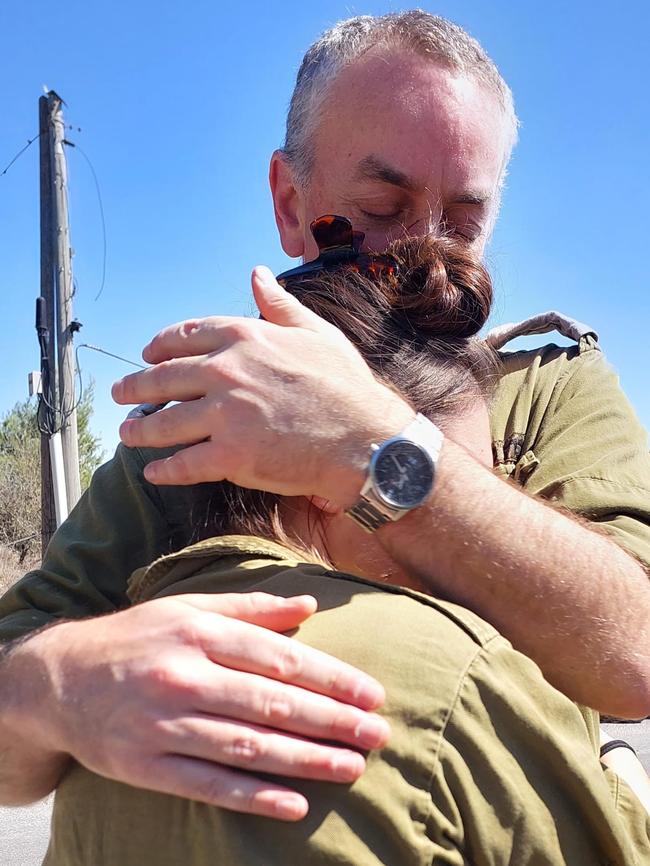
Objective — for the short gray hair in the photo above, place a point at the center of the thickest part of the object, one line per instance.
(416, 31)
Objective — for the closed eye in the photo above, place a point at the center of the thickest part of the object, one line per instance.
(381, 218)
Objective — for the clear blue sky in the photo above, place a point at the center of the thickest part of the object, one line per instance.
(181, 105)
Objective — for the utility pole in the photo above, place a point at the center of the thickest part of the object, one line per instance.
(60, 483)
(64, 290)
(48, 364)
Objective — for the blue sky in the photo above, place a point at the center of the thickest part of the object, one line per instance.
(181, 105)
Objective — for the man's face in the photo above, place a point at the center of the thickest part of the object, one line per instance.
(403, 146)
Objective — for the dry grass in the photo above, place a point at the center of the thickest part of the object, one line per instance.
(11, 569)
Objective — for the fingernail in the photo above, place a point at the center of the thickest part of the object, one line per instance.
(291, 808)
(267, 276)
(348, 767)
(372, 732)
(370, 695)
(303, 599)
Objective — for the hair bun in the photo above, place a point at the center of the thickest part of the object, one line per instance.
(442, 289)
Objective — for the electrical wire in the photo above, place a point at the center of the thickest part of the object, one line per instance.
(30, 141)
(111, 355)
(101, 212)
(49, 417)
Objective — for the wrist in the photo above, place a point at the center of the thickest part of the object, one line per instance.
(30, 705)
(386, 416)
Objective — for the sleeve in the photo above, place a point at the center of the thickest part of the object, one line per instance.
(118, 525)
(591, 454)
(517, 780)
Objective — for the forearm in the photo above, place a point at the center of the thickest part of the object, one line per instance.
(565, 595)
(29, 767)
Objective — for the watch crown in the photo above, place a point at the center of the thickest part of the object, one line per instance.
(374, 447)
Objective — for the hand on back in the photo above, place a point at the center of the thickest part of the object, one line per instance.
(179, 694)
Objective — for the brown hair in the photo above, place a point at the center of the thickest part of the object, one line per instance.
(416, 330)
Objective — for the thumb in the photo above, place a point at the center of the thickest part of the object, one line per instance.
(279, 306)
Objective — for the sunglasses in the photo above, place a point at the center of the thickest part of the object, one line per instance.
(339, 247)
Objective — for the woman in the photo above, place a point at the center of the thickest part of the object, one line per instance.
(487, 763)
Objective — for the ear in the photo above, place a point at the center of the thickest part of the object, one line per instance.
(287, 203)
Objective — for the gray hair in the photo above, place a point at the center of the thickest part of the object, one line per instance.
(420, 32)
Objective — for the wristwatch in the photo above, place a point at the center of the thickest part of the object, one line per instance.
(401, 475)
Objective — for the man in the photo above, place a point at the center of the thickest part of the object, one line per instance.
(400, 123)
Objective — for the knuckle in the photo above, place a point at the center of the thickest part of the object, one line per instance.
(343, 724)
(126, 387)
(277, 708)
(288, 662)
(159, 372)
(212, 789)
(236, 330)
(223, 369)
(168, 676)
(163, 422)
(258, 602)
(337, 683)
(188, 328)
(246, 749)
(180, 468)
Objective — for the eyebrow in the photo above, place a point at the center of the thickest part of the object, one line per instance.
(471, 198)
(373, 168)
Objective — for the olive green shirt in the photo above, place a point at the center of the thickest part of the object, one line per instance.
(561, 429)
(486, 763)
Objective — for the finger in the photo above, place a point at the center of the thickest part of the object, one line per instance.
(260, 749)
(181, 424)
(193, 337)
(206, 782)
(258, 700)
(179, 379)
(189, 466)
(279, 307)
(251, 647)
(258, 608)
(278, 705)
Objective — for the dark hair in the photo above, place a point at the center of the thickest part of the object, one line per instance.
(416, 330)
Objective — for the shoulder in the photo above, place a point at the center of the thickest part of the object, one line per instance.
(541, 368)
(556, 390)
(402, 637)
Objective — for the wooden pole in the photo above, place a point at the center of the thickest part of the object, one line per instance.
(64, 292)
(48, 516)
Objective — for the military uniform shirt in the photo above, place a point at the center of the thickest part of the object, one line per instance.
(487, 764)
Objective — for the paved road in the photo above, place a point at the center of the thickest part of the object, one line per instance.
(24, 832)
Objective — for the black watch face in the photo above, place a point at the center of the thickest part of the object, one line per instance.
(403, 474)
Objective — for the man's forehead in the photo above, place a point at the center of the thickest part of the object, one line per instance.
(401, 79)
(407, 121)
